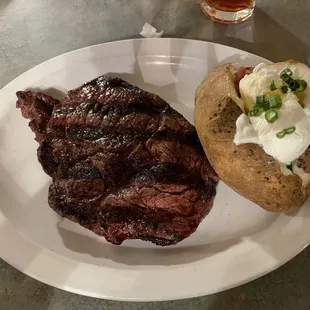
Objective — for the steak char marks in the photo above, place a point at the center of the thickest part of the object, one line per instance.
(124, 164)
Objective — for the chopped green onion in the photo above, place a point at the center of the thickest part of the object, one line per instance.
(262, 103)
(293, 85)
(275, 102)
(286, 131)
(302, 85)
(272, 86)
(284, 89)
(255, 111)
(260, 100)
(289, 130)
(286, 71)
(271, 116)
(290, 167)
(266, 105)
(286, 78)
(280, 134)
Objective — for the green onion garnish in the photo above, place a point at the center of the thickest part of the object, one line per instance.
(272, 86)
(286, 78)
(284, 89)
(280, 134)
(271, 116)
(266, 105)
(289, 130)
(260, 100)
(275, 102)
(286, 131)
(286, 71)
(262, 103)
(302, 85)
(293, 85)
(255, 111)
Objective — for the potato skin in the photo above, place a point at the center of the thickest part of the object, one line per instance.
(245, 168)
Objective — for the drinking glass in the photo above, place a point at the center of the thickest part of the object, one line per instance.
(228, 11)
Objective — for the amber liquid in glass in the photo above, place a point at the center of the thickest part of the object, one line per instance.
(228, 11)
(229, 5)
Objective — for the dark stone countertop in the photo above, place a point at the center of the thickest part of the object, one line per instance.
(33, 31)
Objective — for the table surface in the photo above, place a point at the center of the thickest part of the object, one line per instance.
(33, 31)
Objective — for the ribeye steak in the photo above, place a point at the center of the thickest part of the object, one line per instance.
(124, 164)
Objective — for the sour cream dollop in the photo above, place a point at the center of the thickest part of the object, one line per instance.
(256, 129)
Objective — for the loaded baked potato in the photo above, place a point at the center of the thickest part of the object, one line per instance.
(254, 126)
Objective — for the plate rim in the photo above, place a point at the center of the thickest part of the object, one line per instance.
(45, 254)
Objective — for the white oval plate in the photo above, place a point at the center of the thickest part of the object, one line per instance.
(236, 243)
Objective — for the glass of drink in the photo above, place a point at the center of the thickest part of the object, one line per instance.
(228, 11)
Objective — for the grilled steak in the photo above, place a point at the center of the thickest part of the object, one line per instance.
(124, 164)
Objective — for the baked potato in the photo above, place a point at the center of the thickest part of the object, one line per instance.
(247, 168)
